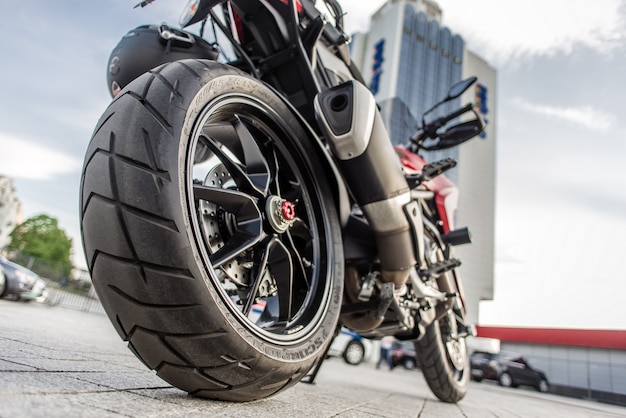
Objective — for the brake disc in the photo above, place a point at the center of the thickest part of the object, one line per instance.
(219, 226)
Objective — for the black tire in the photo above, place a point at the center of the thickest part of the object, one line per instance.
(409, 364)
(543, 386)
(354, 353)
(188, 195)
(446, 369)
(506, 380)
(3, 284)
(442, 355)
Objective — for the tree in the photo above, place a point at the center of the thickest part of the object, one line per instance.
(40, 236)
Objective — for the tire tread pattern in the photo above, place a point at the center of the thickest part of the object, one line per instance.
(436, 368)
(153, 294)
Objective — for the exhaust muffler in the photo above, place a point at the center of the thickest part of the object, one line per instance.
(358, 139)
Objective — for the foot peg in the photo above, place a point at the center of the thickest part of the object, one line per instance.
(430, 171)
(439, 268)
(457, 237)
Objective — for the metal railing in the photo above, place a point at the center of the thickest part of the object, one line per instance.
(82, 299)
(73, 290)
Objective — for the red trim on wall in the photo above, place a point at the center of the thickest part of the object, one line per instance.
(553, 336)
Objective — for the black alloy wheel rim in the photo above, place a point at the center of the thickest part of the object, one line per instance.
(258, 219)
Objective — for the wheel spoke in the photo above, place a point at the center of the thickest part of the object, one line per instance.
(257, 276)
(293, 191)
(281, 267)
(244, 182)
(299, 227)
(247, 217)
(299, 265)
(256, 165)
(276, 259)
(245, 161)
(225, 134)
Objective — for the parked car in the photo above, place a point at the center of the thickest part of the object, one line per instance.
(351, 346)
(509, 369)
(19, 283)
(403, 353)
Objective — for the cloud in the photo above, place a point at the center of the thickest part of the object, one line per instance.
(358, 13)
(21, 158)
(504, 32)
(590, 118)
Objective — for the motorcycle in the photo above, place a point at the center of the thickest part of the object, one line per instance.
(236, 212)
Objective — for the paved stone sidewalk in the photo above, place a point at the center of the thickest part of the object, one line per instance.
(57, 362)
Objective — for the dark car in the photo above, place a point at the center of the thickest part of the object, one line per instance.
(509, 369)
(403, 353)
(19, 283)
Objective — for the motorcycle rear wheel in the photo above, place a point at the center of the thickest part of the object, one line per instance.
(211, 233)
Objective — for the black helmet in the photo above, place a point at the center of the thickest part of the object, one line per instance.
(149, 46)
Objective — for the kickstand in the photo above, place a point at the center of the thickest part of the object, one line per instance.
(309, 378)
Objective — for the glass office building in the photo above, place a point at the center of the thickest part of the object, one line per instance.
(409, 60)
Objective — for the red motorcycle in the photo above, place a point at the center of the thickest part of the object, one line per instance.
(241, 200)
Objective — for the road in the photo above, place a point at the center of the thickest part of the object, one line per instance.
(56, 362)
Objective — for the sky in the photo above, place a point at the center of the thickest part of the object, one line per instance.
(561, 134)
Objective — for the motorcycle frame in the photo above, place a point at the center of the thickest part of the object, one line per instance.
(297, 63)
